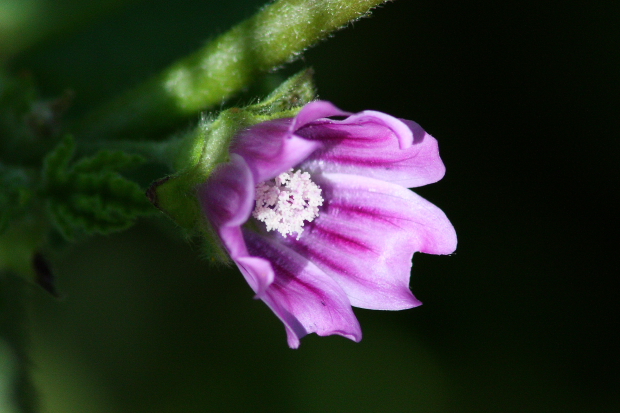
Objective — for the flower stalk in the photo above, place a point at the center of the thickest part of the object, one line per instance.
(277, 34)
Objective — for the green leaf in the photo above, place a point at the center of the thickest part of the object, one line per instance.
(15, 193)
(56, 163)
(90, 196)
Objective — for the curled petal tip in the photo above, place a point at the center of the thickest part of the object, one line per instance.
(315, 110)
(400, 129)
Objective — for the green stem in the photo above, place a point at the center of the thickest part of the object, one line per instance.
(277, 34)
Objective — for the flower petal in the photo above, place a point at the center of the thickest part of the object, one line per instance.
(227, 199)
(365, 237)
(228, 196)
(376, 145)
(257, 271)
(316, 110)
(301, 295)
(270, 148)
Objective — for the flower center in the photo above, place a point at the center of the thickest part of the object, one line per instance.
(287, 201)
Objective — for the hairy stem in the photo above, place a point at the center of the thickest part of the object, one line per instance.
(277, 34)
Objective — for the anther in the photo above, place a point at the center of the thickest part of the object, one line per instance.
(287, 202)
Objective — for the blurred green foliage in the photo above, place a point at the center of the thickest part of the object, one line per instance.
(17, 394)
(90, 196)
(14, 196)
(24, 23)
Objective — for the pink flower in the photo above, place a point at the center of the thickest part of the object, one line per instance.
(316, 214)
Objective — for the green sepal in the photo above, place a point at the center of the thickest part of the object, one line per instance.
(90, 196)
(291, 95)
(207, 146)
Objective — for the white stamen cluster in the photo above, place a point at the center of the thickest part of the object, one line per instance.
(286, 202)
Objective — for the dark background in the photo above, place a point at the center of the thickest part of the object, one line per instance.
(523, 98)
